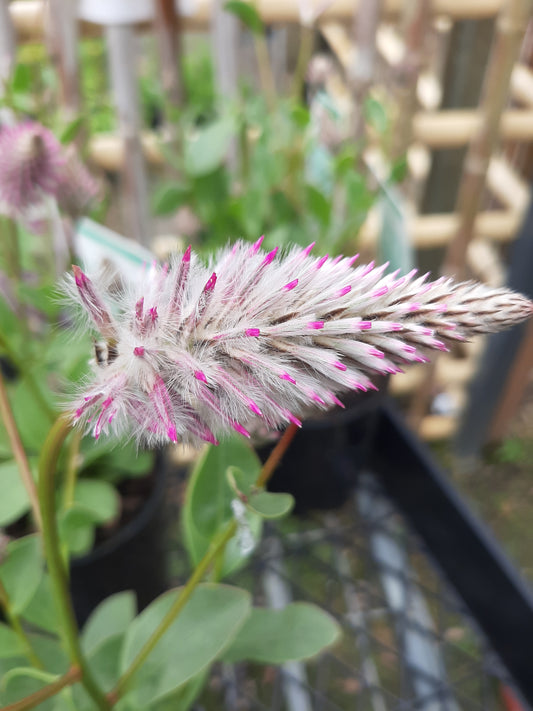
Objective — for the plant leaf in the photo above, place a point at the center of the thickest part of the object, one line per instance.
(375, 114)
(110, 619)
(41, 610)
(299, 631)
(14, 501)
(22, 571)
(71, 130)
(10, 644)
(204, 628)
(271, 505)
(208, 500)
(247, 14)
(168, 197)
(207, 147)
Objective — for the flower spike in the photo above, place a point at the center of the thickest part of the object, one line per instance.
(197, 352)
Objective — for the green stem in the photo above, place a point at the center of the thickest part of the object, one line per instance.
(265, 70)
(217, 545)
(71, 474)
(47, 467)
(304, 56)
(6, 414)
(214, 554)
(12, 255)
(33, 700)
(16, 625)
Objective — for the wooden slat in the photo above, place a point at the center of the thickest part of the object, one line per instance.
(455, 128)
(28, 15)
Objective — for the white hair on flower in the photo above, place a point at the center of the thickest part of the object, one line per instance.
(193, 351)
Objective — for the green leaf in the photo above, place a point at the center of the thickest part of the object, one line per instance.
(247, 14)
(110, 619)
(71, 130)
(21, 571)
(208, 500)
(41, 610)
(399, 170)
(375, 114)
(22, 79)
(98, 498)
(394, 241)
(270, 505)
(299, 631)
(200, 634)
(14, 501)
(206, 148)
(318, 205)
(301, 116)
(168, 197)
(10, 643)
(95, 502)
(33, 422)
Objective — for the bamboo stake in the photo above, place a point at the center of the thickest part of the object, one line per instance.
(363, 68)
(505, 184)
(29, 15)
(121, 56)
(62, 41)
(510, 30)
(522, 84)
(169, 39)
(416, 22)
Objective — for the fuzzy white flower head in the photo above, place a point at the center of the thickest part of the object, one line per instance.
(193, 351)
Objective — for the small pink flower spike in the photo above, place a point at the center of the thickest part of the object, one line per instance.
(94, 306)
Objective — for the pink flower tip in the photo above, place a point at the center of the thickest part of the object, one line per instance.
(291, 285)
(379, 292)
(286, 376)
(322, 261)
(345, 290)
(210, 285)
(138, 351)
(240, 429)
(80, 278)
(365, 325)
(153, 313)
(254, 408)
(295, 421)
(307, 250)
(256, 246)
(340, 366)
(315, 325)
(253, 332)
(270, 256)
(172, 434)
(336, 401)
(200, 376)
(187, 255)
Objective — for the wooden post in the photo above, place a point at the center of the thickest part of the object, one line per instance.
(7, 44)
(121, 55)
(361, 73)
(510, 30)
(225, 39)
(416, 25)
(62, 41)
(169, 40)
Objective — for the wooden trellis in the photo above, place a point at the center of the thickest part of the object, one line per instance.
(493, 193)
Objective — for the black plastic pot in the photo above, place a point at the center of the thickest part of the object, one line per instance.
(134, 558)
(321, 465)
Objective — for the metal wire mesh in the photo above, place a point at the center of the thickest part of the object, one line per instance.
(408, 642)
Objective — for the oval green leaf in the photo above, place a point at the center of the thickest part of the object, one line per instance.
(205, 627)
(299, 631)
(270, 505)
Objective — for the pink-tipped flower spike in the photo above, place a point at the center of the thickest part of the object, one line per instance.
(197, 351)
(31, 165)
